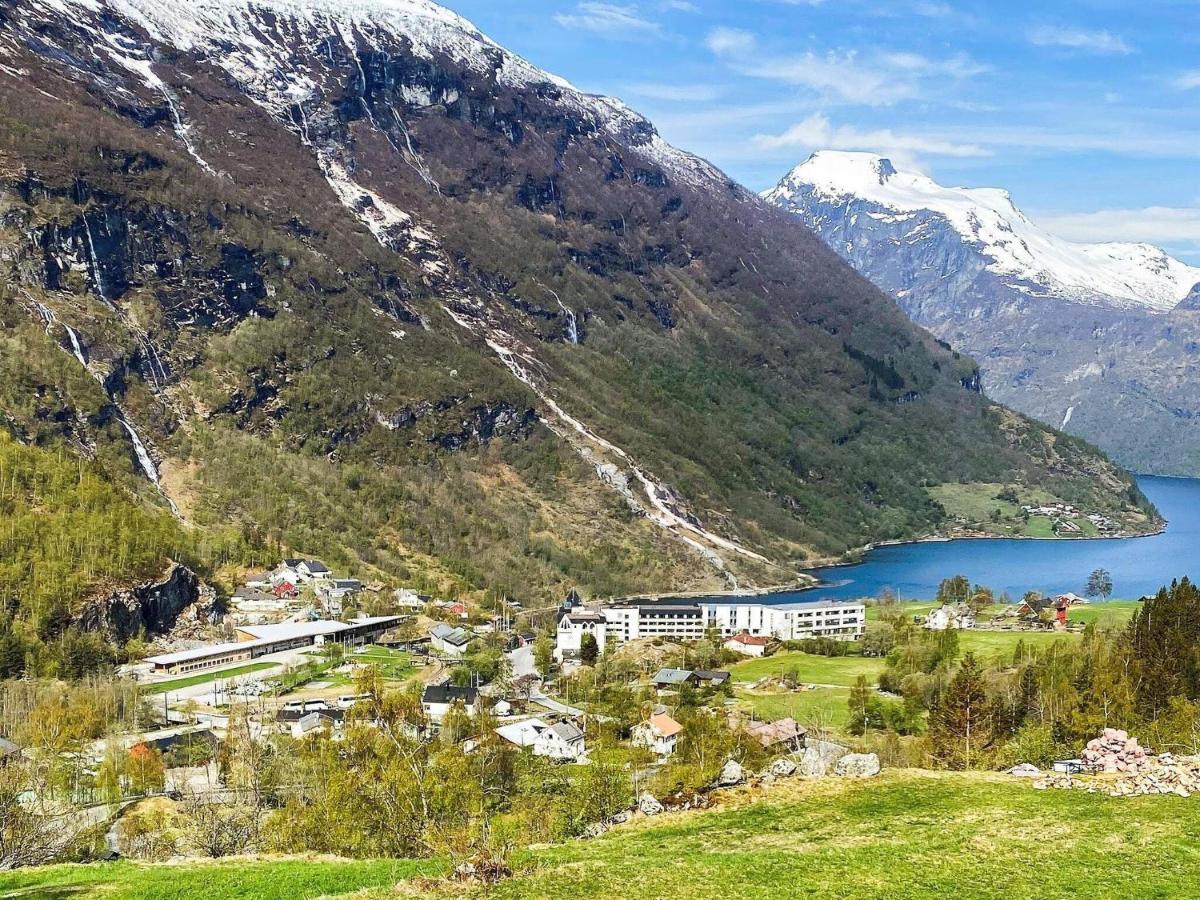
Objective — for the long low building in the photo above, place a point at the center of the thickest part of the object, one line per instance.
(691, 621)
(256, 641)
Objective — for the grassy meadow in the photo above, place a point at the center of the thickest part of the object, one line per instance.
(906, 834)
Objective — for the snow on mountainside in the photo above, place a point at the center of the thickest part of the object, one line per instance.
(255, 42)
(1017, 251)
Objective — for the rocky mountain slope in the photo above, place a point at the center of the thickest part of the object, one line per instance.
(352, 279)
(1097, 339)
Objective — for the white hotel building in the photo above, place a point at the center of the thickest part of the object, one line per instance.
(690, 621)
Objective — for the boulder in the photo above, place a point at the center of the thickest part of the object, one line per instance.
(782, 767)
(857, 765)
(731, 774)
(648, 805)
(620, 818)
(818, 757)
(1025, 770)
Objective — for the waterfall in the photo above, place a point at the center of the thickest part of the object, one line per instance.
(572, 325)
(76, 346)
(96, 273)
(182, 129)
(139, 448)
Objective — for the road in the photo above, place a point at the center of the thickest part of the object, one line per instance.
(522, 661)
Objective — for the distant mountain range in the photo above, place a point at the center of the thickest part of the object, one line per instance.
(1101, 340)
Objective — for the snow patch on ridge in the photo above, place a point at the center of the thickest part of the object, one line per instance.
(1120, 275)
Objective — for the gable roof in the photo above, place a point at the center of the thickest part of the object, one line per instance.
(665, 725)
(673, 676)
(715, 677)
(314, 565)
(448, 693)
(750, 640)
(449, 634)
(567, 731)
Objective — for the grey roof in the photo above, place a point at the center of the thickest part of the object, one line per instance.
(315, 565)
(449, 634)
(567, 731)
(714, 677)
(692, 609)
(672, 676)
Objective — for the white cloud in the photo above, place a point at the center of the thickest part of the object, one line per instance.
(958, 66)
(1078, 39)
(1153, 224)
(874, 78)
(609, 19)
(817, 133)
(679, 6)
(729, 41)
(841, 75)
(1187, 81)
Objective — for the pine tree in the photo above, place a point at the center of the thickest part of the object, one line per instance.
(958, 723)
(589, 650)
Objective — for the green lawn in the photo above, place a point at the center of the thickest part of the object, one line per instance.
(977, 506)
(250, 879)
(810, 668)
(205, 677)
(902, 836)
(819, 708)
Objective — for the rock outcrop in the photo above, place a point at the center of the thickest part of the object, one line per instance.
(857, 765)
(648, 805)
(153, 607)
(731, 774)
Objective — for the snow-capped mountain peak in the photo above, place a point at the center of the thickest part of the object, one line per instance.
(1017, 251)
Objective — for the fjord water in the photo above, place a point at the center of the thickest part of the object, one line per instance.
(1138, 566)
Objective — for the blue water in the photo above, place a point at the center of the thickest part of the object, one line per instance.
(1138, 566)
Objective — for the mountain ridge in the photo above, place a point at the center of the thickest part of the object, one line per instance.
(1115, 274)
(1116, 371)
(381, 304)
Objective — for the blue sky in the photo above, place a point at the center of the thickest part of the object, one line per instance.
(1089, 112)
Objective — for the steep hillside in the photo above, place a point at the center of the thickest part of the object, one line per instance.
(358, 281)
(1097, 339)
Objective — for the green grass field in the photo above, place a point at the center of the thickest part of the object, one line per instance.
(902, 836)
(977, 506)
(826, 707)
(253, 879)
(812, 669)
(205, 677)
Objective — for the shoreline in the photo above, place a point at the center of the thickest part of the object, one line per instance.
(858, 555)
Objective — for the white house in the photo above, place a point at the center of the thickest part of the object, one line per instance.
(562, 742)
(407, 598)
(449, 640)
(573, 625)
(748, 644)
(437, 699)
(524, 733)
(946, 617)
(314, 569)
(658, 734)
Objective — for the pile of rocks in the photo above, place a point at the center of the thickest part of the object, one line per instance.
(1164, 774)
(1114, 751)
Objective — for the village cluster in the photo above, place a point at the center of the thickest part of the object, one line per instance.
(1063, 516)
(300, 616)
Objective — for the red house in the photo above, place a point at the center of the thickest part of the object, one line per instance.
(284, 589)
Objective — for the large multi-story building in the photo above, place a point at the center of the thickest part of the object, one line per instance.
(617, 623)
